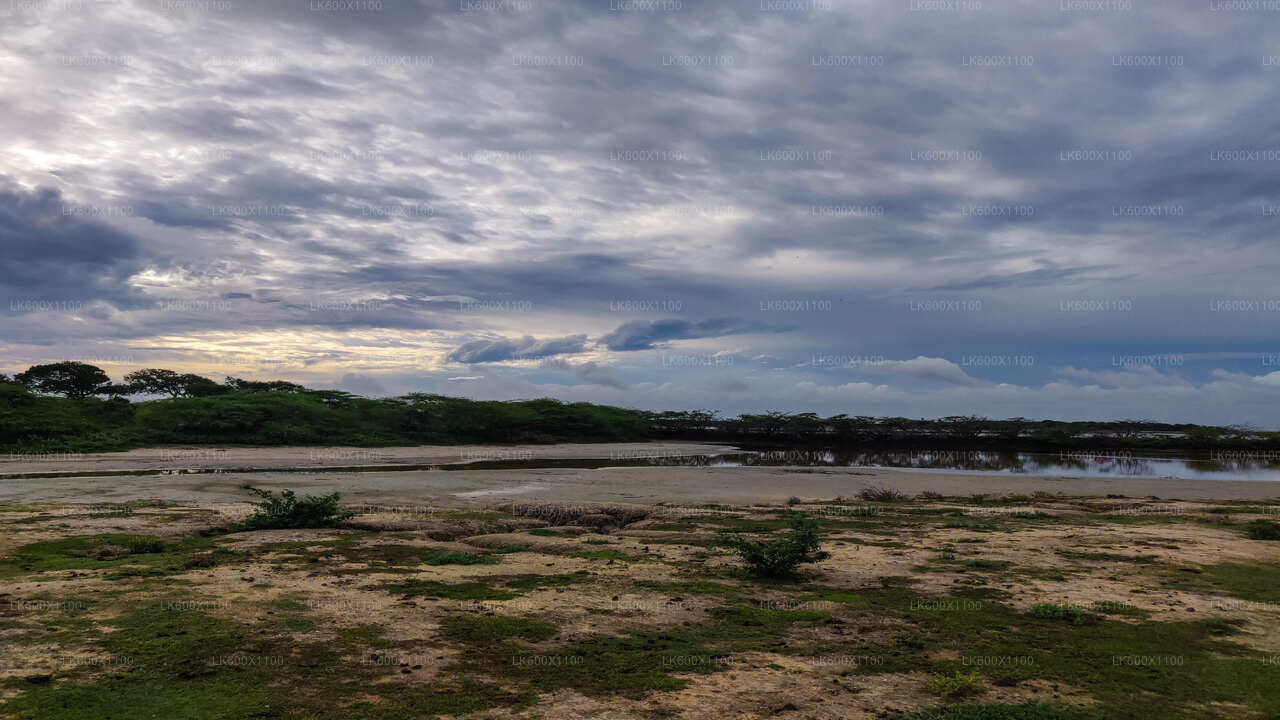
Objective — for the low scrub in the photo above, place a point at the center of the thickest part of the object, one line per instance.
(1073, 614)
(779, 557)
(958, 685)
(582, 514)
(1263, 530)
(288, 511)
(880, 494)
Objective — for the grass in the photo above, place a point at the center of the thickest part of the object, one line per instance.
(1106, 556)
(634, 664)
(485, 628)
(1246, 581)
(687, 587)
(189, 664)
(1072, 614)
(971, 524)
(397, 554)
(1126, 663)
(1025, 711)
(983, 564)
(113, 550)
(531, 582)
(454, 591)
(1262, 530)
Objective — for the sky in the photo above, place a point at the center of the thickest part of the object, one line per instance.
(1061, 209)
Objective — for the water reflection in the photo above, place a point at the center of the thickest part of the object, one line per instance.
(1209, 466)
(1212, 466)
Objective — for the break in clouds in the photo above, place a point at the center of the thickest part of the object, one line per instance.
(1045, 209)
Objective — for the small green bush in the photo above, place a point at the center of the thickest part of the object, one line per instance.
(448, 557)
(288, 511)
(780, 557)
(1263, 530)
(956, 686)
(142, 544)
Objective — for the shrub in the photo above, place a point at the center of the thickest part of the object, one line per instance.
(288, 511)
(142, 544)
(879, 494)
(1073, 614)
(956, 686)
(781, 556)
(1263, 530)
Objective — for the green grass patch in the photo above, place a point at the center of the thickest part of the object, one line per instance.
(1025, 711)
(489, 628)
(1262, 530)
(1072, 614)
(687, 587)
(110, 550)
(634, 664)
(531, 582)
(400, 555)
(453, 591)
(974, 524)
(1106, 556)
(1259, 583)
(299, 624)
(983, 564)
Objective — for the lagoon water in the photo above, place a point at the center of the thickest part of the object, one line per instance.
(1254, 466)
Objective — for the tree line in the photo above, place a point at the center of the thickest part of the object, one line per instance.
(79, 380)
(92, 412)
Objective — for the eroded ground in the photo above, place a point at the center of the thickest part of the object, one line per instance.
(979, 607)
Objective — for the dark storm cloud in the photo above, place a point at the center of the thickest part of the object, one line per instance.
(588, 372)
(645, 334)
(527, 348)
(54, 251)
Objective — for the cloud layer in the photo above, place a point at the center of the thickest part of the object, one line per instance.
(913, 208)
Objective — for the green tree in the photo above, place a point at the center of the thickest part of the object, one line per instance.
(236, 383)
(200, 386)
(156, 382)
(70, 378)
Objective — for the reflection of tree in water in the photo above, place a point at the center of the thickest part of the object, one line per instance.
(1244, 462)
(1118, 463)
(974, 460)
(1108, 464)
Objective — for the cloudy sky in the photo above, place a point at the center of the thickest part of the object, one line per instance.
(1058, 209)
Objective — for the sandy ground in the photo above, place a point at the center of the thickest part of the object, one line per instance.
(214, 456)
(339, 592)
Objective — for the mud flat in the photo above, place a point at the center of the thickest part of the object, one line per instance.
(198, 457)
(651, 485)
